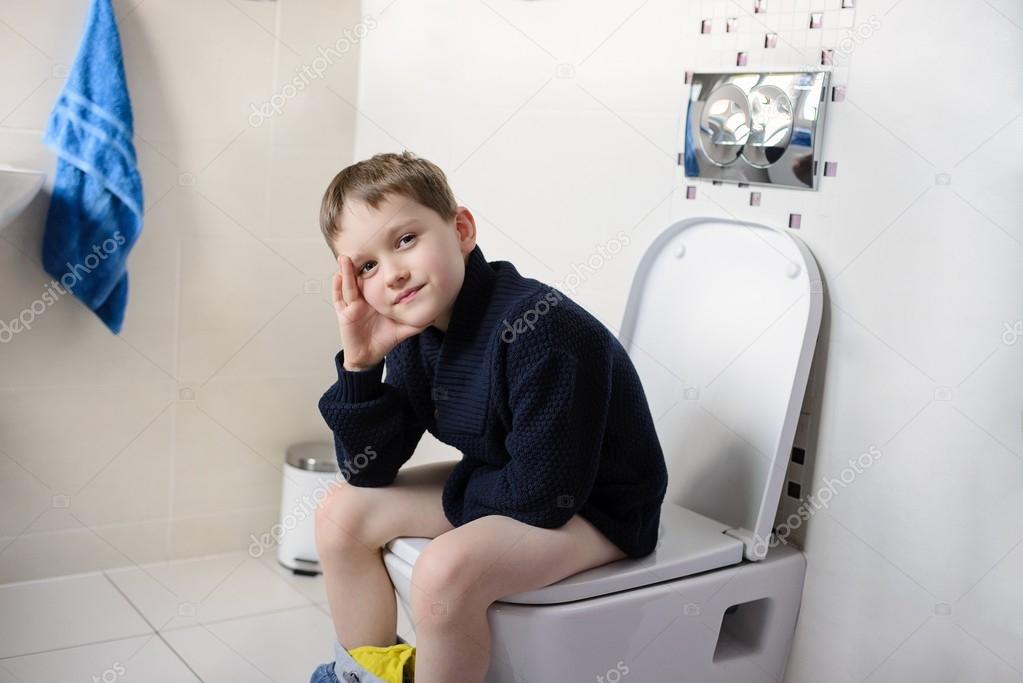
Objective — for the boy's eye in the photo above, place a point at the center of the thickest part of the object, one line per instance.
(362, 269)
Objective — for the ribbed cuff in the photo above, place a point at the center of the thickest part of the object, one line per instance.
(356, 386)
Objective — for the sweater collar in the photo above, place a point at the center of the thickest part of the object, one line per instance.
(472, 298)
(461, 378)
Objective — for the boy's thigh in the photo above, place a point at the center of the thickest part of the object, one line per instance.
(496, 556)
(408, 506)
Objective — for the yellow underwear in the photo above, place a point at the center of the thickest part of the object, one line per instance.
(387, 663)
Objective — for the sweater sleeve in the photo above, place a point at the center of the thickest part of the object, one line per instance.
(559, 411)
(375, 427)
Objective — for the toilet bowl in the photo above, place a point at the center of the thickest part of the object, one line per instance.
(721, 324)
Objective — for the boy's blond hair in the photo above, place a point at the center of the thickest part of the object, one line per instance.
(371, 180)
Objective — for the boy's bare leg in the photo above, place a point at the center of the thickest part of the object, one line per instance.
(352, 526)
(462, 572)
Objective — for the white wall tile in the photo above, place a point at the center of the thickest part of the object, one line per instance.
(230, 272)
(922, 277)
(925, 281)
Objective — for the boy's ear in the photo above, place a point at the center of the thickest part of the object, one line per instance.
(465, 223)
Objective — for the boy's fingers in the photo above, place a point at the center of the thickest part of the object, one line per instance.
(349, 290)
(341, 281)
(337, 289)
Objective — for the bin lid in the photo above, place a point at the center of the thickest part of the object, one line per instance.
(315, 456)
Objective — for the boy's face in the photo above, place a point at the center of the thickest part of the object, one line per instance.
(403, 244)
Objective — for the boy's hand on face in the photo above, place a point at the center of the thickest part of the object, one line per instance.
(366, 335)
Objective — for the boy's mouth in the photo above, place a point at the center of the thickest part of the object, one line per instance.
(409, 295)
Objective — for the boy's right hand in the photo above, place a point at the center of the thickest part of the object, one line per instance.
(366, 335)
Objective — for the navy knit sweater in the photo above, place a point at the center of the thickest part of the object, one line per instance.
(538, 395)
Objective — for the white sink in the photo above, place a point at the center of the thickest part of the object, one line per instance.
(17, 188)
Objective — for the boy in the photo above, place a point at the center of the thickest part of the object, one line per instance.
(561, 468)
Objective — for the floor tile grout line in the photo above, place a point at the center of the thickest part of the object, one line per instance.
(11, 673)
(128, 567)
(161, 633)
(154, 630)
(310, 602)
(212, 622)
(139, 566)
(180, 657)
(152, 633)
(77, 645)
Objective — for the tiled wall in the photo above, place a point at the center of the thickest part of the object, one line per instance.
(559, 125)
(167, 440)
(778, 34)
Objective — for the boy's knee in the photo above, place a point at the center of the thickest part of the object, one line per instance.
(338, 520)
(442, 579)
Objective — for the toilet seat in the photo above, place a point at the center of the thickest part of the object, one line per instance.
(688, 543)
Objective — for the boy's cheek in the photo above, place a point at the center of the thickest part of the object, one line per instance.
(382, 309)
(373, 300)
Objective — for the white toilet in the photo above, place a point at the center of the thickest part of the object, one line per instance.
(721, 323)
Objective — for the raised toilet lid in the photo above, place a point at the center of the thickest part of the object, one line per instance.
(688, 543)
(721, 324)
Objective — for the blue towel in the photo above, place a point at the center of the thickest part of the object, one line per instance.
(95, 213)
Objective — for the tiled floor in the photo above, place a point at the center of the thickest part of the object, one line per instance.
(219, 618)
